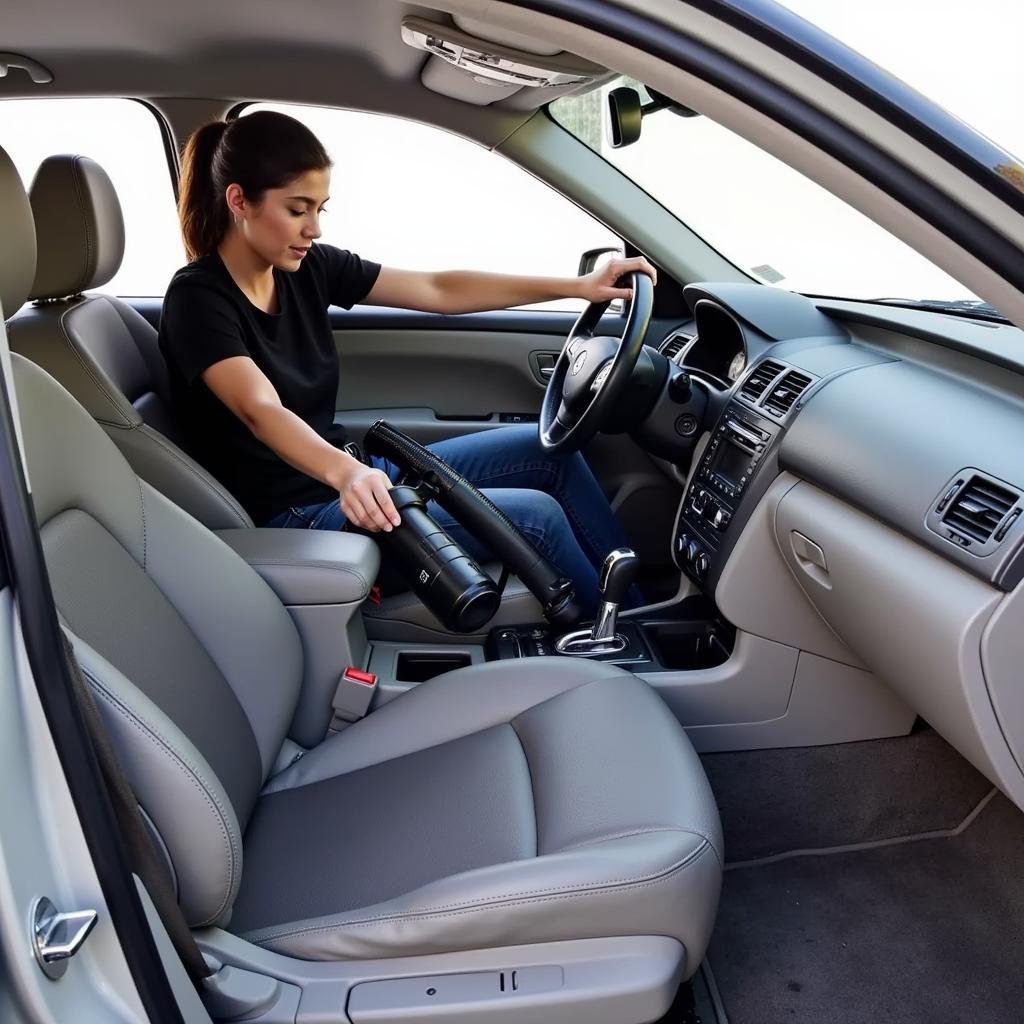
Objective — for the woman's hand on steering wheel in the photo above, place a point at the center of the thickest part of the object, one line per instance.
(601, 285)
(593, 371)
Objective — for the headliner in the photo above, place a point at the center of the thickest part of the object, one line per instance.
(347, 54)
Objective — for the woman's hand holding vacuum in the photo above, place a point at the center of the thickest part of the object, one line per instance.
(364, 498)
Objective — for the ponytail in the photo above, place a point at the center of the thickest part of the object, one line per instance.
(202, 213)
(257, 151)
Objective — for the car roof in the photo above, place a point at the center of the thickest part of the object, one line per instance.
(321, 52)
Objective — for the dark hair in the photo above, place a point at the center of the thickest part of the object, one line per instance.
(259, 151)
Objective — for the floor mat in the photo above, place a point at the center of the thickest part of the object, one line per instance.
(776, 800)
(928, 932)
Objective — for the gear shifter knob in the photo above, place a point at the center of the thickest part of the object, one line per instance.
(618, 574)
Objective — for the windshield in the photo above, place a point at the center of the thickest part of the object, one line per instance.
(766, 218)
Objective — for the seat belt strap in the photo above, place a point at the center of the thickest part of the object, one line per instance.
(142, 853)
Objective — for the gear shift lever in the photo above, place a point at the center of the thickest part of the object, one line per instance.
(617, 575)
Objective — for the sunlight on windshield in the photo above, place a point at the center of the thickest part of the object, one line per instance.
(765, 217)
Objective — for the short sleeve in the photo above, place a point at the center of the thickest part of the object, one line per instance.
(199, 327)
(344, 277)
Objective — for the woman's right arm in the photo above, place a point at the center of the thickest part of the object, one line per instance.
(362, 492)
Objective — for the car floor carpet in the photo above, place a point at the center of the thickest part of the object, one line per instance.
(921, 932)
(796, 798)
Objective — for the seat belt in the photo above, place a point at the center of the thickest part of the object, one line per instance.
(142, 853)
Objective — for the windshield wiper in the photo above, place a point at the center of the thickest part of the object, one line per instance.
(973, 308)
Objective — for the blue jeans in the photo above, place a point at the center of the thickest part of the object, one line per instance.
(554, 500)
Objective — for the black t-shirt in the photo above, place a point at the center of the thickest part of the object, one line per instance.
(207, 318)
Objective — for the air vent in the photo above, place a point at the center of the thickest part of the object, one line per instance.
(760, 377)
(675, 345)
(782, 397)
(978, 508)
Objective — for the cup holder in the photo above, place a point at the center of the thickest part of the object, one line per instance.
(419, 666)
(685, 646)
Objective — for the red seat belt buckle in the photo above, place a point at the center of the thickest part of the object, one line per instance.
(353, 697)
(359, 676)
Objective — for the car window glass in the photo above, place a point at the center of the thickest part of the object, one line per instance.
(124, 138)
(767, 218)
(412, 196)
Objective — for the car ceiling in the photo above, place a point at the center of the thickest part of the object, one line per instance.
(347, 54)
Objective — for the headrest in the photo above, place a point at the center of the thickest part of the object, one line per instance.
(17, 240)
(79, 227)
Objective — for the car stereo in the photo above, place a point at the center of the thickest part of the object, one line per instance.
(732, 454)
(727, 466)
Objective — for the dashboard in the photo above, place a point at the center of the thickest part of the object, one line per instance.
(871, 456)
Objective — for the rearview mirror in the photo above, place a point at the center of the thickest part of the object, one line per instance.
(625, 113)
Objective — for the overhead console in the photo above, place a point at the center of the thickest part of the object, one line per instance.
(738, 464)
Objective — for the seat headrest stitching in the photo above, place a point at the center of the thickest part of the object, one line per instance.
(80, 188)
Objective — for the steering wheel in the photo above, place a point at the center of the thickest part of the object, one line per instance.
(592, 371)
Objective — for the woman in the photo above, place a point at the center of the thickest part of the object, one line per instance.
(254, 370)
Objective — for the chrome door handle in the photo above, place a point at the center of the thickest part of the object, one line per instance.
(57, 937)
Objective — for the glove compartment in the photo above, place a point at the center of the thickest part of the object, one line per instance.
(915, 619)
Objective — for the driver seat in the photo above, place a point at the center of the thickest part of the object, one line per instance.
(106, 354)
(508, 813)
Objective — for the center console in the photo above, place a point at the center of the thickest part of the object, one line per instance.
(650, 645)
(728, 466)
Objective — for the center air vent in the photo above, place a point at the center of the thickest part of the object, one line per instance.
(759, 378)
(675, 345)
(977, 509)
(784, 394)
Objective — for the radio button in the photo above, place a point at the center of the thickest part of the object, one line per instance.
(722, 519)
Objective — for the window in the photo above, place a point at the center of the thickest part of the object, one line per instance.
(767, 218)
(124, 138)
(411, 196)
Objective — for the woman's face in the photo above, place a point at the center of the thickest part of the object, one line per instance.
(281, 227)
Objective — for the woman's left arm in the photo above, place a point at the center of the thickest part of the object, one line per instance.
(471, 291)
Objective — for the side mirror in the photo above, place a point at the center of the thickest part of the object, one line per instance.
(588, 261)
(626, 111)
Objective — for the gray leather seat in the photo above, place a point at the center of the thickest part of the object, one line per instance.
(494, 806)
(106, 354)
(100, 348)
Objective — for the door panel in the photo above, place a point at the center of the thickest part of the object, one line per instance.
(441, 383)
(441, 376)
